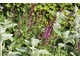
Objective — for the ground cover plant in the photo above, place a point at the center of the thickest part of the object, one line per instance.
(39, 29)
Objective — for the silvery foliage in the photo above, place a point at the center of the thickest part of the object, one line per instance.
(77, 23)
(5, 36)
(59, 18)
(3, 26)
(66, 34)
(68, 37)
(32, 50)
(60, 45)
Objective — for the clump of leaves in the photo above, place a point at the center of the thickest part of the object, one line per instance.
(69, 37)
(32, 50)
(3, 34)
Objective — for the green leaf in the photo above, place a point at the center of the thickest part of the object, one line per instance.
(66, 34)
(56, 26)
(78, 35)
(11, 46)
(32, 48)
(43, 52)
(8, 5)
(72, 41)
(76, 9)
(28, 42)
(14, 53)
(34, 41)
(59, 21)
(8, 24)
(2, 30)
(72, 54)
(22, 49)
(52, 12)
(58, 32)
(68, 12)
(61, 45)
(60, 15)
(7, 36)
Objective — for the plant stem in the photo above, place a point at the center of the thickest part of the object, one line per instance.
(1, 49)
(33, 51)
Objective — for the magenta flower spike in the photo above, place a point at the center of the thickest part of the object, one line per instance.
(48, 30)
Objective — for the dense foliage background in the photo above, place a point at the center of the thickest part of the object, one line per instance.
(37, 20)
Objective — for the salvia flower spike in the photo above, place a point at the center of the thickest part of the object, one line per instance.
(48, 30)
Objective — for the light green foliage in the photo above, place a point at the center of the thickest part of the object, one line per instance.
(19, 40)
(33, 51)
(70, 36)
(3, 35)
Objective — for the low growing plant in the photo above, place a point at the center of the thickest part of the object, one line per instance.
(31, 49)
(3, 34)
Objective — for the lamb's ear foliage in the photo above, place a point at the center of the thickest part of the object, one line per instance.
(3, 26)
(32, 50)
(3, 34)
(68, 36)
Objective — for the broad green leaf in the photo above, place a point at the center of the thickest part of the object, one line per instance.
(72, 54)
(38, 52)
(43, 52)
(14, 53)
(22, 49)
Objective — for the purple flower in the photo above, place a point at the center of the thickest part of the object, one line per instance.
(47, 32)
(31, 11)
(30, 15)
